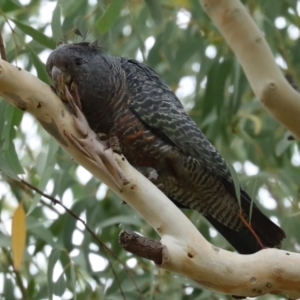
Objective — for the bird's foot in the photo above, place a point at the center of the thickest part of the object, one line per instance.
(160, 186)
(102, 136)
(113, 143)
(148, 172)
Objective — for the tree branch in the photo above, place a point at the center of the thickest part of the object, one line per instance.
(188, 253)
(257, 60)
(141, 246)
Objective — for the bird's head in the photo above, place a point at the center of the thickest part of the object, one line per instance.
(72, 63)
(96, 76)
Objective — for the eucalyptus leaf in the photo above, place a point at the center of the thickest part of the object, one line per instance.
(59, 286)
(49, 163)
(53, 258)
(35, 34)
(110, 16)
(9, 170)
(155, 10)
(56, 23)
(119, 220)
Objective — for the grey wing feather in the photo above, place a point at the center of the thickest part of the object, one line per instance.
(154, 103)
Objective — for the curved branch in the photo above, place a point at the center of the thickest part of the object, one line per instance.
(257, 60)
(188, 253)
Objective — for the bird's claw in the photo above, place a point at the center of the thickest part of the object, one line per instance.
(113, 143)
(148, 172)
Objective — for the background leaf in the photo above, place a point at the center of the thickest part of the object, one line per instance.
(46, 164)
(53, 259)
(155, 10)
(18, 236)
(110, 16)
(35, 34)
(56, 24)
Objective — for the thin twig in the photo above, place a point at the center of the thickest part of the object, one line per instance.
(104, 247)
(17, 184)
(2, 48)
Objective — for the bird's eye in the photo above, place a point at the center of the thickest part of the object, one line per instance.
(78, 61)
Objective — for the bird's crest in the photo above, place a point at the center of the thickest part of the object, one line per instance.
(95, 44)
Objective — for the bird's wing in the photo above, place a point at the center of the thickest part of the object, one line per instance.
(153, 102)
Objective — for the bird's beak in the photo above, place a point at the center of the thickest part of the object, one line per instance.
(55, 73)
(60, 80)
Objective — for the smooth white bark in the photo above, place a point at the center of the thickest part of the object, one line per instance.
(257, 60)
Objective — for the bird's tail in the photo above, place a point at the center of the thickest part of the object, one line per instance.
(254, 235)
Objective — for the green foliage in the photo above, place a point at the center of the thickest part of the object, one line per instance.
(179, 41)
(110, 16)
